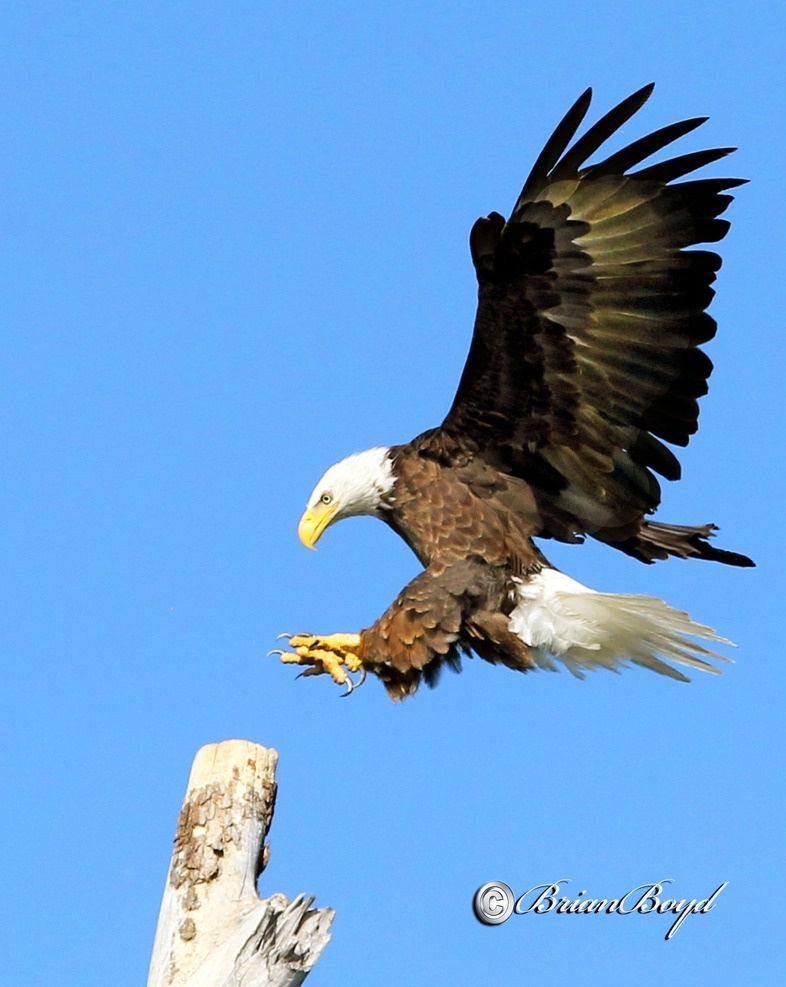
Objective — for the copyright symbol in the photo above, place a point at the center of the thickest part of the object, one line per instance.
(493, 903)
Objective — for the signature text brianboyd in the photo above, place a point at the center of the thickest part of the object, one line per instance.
(494, 903)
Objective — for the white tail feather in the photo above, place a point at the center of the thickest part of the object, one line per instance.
(558, 617)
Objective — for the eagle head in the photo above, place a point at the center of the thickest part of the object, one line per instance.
(358, 484)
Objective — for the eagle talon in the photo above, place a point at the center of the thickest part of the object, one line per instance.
(334, 654)
(308, 672)
(354, 684)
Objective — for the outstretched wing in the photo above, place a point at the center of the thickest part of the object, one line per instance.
(585, 356)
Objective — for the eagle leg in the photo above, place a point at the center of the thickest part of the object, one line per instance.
(335, 655)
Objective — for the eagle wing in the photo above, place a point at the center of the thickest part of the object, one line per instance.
(585, 354)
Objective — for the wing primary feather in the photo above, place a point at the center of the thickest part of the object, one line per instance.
(555, 146)
(667, 171)
(712, 186)
(619, 162)
(599, 132)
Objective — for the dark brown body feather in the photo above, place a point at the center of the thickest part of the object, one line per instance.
(470, 528)
(584, 362)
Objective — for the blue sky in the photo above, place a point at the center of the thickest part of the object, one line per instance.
(235, 249)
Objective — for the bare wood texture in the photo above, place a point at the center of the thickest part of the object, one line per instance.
(213, 929)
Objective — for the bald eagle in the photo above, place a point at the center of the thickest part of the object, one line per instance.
(584, 362)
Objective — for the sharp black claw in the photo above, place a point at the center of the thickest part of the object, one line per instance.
(287, 636)
(276, 651)
(351, 686)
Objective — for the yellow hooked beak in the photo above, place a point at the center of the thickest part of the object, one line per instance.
(314, 522)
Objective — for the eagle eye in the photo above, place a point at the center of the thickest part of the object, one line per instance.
(327, 498)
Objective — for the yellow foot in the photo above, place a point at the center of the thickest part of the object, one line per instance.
(334, 654)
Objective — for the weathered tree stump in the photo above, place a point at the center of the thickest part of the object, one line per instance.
(213, 929)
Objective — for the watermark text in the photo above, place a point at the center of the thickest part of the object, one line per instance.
(495, 902)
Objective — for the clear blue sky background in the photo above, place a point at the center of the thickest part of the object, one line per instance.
(234, 243)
